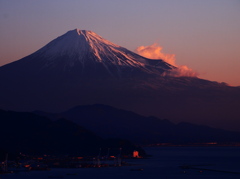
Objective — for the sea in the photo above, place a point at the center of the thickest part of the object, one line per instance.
(163, 163)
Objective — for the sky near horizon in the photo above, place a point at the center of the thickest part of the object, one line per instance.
(203, 35)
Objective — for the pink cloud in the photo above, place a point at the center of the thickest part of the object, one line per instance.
(154, 51)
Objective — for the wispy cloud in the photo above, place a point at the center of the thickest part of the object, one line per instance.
(154, 51)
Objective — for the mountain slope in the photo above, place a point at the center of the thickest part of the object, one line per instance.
(81, 68)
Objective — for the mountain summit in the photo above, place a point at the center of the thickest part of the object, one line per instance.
(82, 68)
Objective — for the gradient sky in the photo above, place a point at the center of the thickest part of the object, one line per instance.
(203, 34)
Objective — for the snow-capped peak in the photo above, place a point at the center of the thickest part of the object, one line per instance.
(86, 47)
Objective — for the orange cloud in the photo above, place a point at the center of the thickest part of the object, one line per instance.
(154, 51)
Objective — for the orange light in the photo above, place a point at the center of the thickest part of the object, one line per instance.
(135, 154)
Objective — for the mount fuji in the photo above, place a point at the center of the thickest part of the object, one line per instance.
(89, 55)
(82, 68)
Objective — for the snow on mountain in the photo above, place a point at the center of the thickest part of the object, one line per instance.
(88, 51)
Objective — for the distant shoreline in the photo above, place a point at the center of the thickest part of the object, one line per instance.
(210, 144)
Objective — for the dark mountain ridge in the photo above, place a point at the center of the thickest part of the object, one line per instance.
(107, 121)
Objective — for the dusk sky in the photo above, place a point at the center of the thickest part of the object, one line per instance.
(202, 34)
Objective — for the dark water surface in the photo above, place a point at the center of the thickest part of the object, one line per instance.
(202, 162)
